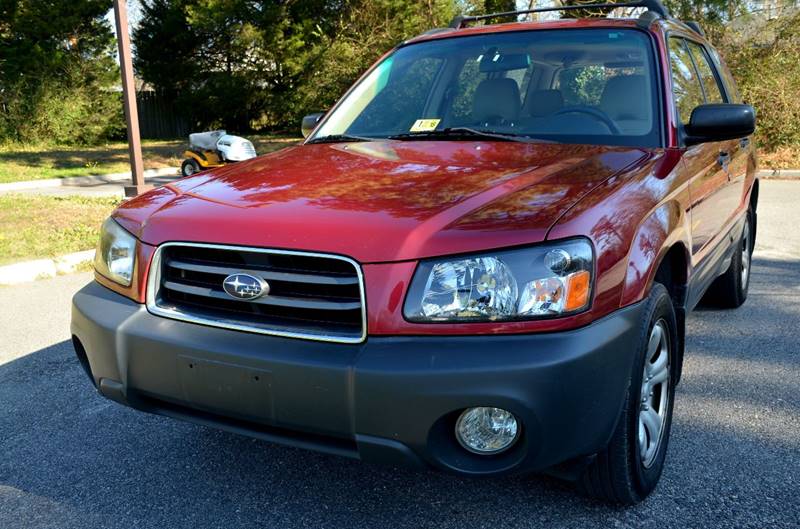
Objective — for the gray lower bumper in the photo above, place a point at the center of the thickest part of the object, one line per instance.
(392, 399)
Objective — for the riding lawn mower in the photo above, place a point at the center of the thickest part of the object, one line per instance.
(215, 149)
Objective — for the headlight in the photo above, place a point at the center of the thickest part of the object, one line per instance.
(116, 253)
(537, 282)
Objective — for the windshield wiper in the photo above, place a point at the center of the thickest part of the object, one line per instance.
(466, 132)
(336, 138)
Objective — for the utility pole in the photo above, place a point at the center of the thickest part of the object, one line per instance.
(129, 100)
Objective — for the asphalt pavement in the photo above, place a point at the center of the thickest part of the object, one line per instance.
(71, 459)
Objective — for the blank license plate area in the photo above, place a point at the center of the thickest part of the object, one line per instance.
(226, 388)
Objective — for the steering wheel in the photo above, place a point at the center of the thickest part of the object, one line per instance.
(596, 113)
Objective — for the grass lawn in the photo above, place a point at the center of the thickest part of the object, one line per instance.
(32, 162)
(35, 227)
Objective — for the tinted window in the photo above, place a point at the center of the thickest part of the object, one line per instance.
(588, 86)
(685, 82)
(710, 83)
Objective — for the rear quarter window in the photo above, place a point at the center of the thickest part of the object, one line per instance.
(470, 77)
(585, 85)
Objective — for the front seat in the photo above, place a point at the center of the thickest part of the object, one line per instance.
(496, 100)
(625, 101)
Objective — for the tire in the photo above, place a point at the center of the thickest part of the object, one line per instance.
(629, 468)
(729, 290)
(190, 167)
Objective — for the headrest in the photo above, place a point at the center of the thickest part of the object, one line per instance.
(624, 97)
(496, 98)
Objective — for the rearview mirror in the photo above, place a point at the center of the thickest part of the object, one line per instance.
(309, 123)
(719, 122)
(497, 62)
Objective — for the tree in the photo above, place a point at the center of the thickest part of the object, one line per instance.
(368, 29)
(57, 72)
(228, 62)
(500, 6)
(245, 64)
(766, 65)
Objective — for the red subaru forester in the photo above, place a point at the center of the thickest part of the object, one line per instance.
(480, 260)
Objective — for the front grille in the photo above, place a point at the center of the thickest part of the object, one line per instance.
(311, 296)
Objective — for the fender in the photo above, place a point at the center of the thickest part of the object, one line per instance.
(631, 218)
(665, 233)
(666, 227)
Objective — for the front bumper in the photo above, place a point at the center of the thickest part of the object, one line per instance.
(389, 399)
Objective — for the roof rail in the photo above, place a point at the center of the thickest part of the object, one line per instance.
(435, 31)
(695, 26)
(654, 6)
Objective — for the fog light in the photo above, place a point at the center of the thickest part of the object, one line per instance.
(486, 430)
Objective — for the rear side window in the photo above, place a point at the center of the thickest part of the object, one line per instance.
(688, 92)
(470, 77)
(584, 85)
(710, 83)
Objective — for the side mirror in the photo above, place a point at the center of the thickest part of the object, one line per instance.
(719, 122)
(310, 122)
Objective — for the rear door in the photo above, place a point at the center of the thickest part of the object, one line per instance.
(707, 163)
(743, 158)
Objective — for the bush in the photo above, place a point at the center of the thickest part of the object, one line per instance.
(61, 113)
(57, 72)
(766, 65)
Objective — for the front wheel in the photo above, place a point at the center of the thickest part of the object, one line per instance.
(630, 466)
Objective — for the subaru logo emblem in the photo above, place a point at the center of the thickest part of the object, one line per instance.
(245, 287)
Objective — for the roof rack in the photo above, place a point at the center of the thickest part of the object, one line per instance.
(695, 26)
(654, 6)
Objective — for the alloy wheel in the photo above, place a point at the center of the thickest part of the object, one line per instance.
(745, 254)
(654, 405)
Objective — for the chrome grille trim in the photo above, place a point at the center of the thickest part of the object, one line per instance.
(154, 284)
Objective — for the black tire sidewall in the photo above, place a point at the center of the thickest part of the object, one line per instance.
(191, 163)
(744, 288)
(645, 479)
(728, 291)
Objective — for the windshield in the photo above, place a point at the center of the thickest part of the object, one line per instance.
(591, 86)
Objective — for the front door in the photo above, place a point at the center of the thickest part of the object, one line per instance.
(708, 164)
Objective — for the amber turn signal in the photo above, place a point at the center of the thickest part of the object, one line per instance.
(578, 286)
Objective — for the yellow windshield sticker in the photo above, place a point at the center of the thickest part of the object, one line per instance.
(425, 125)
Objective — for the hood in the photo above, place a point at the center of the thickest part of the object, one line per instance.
(380, 201)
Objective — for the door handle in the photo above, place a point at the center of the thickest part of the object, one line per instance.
(744, 143)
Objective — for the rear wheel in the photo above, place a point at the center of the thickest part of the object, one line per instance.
(730, 289)
(630, 466)
(190, 167)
